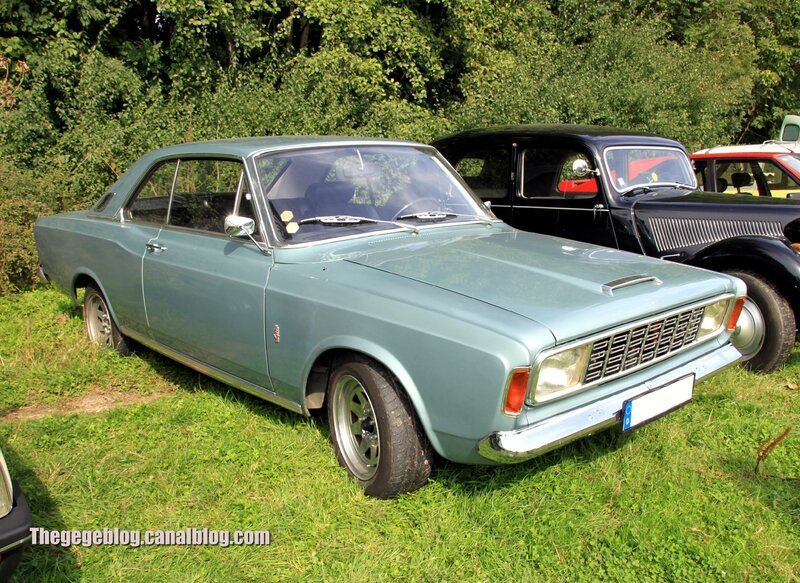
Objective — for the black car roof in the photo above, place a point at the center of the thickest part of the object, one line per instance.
(601, 135)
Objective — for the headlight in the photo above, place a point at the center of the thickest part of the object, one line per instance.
(713, 318)
(561, 373)
(6, 493)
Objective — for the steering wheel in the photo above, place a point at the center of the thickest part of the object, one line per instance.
(414, 203)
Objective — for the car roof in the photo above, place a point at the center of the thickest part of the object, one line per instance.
(244, 147)
(767, 149)
(601, 135)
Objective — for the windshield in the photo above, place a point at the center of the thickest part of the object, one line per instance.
(331, 192)
(792, 161)
(648, 166)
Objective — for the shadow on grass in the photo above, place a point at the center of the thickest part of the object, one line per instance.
(458, 477)
(41, 562)
(467, 479)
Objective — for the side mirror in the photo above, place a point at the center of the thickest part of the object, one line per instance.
(236, 226)
(793, 195)
(488, 204)
(580, 168)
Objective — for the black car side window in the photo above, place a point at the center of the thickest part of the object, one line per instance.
(550, 173)
(205, 193)
(151, 201)
(487, 172)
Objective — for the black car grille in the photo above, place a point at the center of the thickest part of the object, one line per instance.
(674, 233)
(637, 346)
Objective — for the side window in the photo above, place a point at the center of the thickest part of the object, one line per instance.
(205, 193)
(735, 177)
(780, 183)
(487, 172)
(572, 184)
(150, 203)
(548, 173)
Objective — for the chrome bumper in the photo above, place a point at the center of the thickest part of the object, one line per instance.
(521, 444)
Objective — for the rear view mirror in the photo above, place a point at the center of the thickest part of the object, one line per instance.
(236, 226)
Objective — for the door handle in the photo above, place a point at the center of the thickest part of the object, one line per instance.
(155, 248)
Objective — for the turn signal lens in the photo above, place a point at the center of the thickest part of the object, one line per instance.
(516, 391)
(737, 310)
(795, 246)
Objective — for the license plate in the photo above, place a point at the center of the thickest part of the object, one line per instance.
(656, 403)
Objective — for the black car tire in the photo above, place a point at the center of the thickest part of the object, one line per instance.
(99, 323)
(767, 304)
(374, 429)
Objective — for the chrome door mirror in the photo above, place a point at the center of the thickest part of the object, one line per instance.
(236, 226)
(580, 168)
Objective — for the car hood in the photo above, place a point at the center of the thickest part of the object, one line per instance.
(556, 282)
(709, 204)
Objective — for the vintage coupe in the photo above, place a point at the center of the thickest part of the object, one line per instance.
(361, 275)
(637, 192)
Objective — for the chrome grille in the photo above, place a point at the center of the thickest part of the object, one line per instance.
(673, 233)
(631, 348)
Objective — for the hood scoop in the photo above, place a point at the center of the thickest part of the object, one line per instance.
(610, 287)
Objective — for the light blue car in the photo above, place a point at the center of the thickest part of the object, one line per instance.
(362, 276)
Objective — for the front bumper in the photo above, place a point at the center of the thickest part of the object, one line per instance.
(522, 444)
(15, 534)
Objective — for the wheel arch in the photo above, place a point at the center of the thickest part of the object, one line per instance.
(320, 365)
(768, 257)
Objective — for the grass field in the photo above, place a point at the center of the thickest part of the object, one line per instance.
(100, 441)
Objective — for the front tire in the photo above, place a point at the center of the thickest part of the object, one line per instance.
(374, 429)
(99, 323)
(766, 330)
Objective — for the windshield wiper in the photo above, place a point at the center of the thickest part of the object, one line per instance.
(434, 216)
(348, 220)
(637, 190)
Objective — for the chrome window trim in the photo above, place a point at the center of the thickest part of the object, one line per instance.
(607, 171)
(530, 398)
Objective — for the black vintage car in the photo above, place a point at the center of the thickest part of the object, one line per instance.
(638, 192)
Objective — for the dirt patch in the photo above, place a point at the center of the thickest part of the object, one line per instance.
(93, 402)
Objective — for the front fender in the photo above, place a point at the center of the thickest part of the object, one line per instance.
(770, 257)
(387, 359)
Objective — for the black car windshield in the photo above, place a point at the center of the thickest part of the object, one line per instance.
(633, 167)
(331, 192)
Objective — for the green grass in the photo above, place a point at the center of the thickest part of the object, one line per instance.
(677, 500)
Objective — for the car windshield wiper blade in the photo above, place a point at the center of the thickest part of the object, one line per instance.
(337, 220)
(434, 216)
(634, 190)
(348, 220)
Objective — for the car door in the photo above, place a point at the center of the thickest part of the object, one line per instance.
(553, 197)
(488, 171)
(203, 291)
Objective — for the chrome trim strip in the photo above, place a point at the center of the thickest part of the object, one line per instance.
(614, 331)
(522, 444)
(609, 287)
(15, 544)
(562, 208)
(216, 373)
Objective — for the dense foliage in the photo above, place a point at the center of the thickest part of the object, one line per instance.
(86, 86)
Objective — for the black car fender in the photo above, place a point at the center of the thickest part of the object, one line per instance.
(770, 257)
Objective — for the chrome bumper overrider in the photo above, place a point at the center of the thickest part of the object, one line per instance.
(522, 444)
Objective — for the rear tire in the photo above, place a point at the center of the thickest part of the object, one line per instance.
(766, 330)
(374, 429)
(99, 323)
